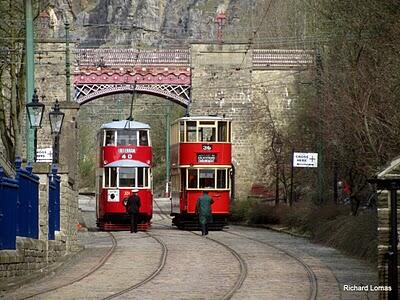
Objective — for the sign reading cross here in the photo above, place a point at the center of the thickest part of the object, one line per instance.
(305, 160)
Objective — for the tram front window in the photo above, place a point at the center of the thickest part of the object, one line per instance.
(110, 177)
(127, 138)
(127, 177)
(142, 177)
(192, 178)
(207, 179)
(221, 179)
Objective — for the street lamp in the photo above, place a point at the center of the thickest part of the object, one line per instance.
(35, 110)
(56, 120)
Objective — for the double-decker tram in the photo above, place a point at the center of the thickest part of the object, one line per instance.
(200, 160)
(124, 164)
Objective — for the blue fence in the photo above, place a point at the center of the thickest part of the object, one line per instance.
(54, 203)
(27, 202)
(8, 211)
(19, 205)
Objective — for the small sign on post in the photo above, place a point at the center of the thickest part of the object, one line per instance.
(44, 155)
(305, 160)
(301, 160)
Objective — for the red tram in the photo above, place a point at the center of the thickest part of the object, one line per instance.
(124, 164)
(200, 160)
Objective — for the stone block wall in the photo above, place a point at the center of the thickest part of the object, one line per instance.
(31, 255)
(224, 81)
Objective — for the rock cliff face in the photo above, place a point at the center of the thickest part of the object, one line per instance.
(171, 23)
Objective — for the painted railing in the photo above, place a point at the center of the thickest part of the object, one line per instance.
(8, 211)
(54, 203)
(19, 205)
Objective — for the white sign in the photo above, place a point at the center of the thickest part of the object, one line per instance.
(305, 160)
(44, 155)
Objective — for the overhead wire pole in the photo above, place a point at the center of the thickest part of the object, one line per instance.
(167, 154)
(30, 74)
(67, 61)
(320, 150)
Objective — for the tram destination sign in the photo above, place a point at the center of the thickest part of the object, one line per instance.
(305, 160)
(206, 157)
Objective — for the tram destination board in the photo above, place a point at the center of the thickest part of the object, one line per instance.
(206, 157)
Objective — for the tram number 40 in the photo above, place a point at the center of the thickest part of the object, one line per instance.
(126, 156)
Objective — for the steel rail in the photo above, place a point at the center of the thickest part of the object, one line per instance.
(102, 261)
(313, 292)
(161, 264)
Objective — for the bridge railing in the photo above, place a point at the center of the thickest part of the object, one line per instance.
(130, 57)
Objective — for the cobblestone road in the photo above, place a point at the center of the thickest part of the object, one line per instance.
(271, 265)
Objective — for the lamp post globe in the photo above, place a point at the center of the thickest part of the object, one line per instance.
(56, 120)
(35, 111)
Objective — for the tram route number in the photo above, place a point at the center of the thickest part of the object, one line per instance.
(126, 156)
(207, 147)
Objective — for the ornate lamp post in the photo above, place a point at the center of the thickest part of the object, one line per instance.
(56, 120)
(35, 111)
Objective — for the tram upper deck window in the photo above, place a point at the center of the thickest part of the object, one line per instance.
(206, 134)
(127, 138)
(191, 131)
(127, 177)
(143, 138)
(110, 138)
(181, 131)
(223, 131)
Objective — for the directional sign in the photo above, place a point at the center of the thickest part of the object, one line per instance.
(44, 155)
(305, 160)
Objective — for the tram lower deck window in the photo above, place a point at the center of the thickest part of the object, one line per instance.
(207, 179)
(127, 138)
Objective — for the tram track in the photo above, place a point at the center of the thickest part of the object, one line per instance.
(313, 292)
(160, 267)
(101, 262)
(242, 263)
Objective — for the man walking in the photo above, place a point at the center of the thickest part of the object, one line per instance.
(132, 207)
(203, 208)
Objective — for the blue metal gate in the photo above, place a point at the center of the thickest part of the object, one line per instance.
(27, 201)
(8, 211)
(54, 203)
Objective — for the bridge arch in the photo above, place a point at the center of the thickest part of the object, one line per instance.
(178, 94)
(101, 72)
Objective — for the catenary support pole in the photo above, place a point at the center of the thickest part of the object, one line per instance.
(30, 75)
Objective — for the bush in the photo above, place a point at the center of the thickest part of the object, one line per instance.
(240, 210)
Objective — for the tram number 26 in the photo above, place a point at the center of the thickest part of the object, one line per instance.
(126, 156)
